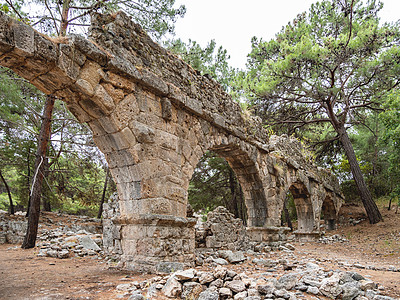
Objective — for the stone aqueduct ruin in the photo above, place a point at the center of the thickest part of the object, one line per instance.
(153, 117)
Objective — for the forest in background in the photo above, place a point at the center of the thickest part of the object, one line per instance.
(349, 62)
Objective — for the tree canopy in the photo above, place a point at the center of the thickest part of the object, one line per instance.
(329, 65)
(57, 17)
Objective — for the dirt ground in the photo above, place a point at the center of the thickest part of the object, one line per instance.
(23, 275)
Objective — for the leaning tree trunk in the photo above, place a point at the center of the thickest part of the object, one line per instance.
(34, 207)
(372, 210)
(12, 211)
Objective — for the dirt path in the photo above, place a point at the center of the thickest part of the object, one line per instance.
(23, 275)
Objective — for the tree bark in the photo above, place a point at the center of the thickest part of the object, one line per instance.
(34, 207)
(28, 181)
(372, 210)
(12, 210)
(104, 194)
(64, 18)
(45, 196)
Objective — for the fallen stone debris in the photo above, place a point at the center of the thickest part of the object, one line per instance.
(81, 237)
(230, 270)
(223, 282)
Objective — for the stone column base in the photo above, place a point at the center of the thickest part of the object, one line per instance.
(307, 236)
(267, 234)
(157, 243)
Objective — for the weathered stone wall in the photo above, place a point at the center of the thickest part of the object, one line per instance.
(223, 231)
(153, 117)
(111, 231)
(12, 229)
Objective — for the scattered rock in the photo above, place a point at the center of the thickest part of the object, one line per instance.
(172, 288)
(236, 286)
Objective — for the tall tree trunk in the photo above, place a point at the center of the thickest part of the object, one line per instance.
(64, 18)
(28, 181)
(12, 211)
(104, 194)
(34, 208)
(45, 196)
(372, 210)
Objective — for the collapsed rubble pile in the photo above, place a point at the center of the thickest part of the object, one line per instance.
(64, 243)
(222, 231)
(224, 283)
(12, 228)
(75, 236)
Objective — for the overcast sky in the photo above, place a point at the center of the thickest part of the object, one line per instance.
(232, 23)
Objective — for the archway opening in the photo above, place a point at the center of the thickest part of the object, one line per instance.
(289, 212)
(328, 213)
(304, 209)
(214, 183)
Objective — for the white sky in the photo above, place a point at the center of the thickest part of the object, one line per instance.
(232, 23)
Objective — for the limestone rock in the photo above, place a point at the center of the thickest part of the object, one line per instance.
(88, 243)
(350, 290)
(191, 290)
(233, 257)
(206, 277)
(330, 286)
(172, 288)
(209, 294)
(185, 274)
(225, 292)
(236, 286)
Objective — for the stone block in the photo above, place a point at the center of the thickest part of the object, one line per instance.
(120, 82)
(166, 107)
(84, 87)
(154, 83)
(47, 84)
(96, 128)
(91, 72)
(169, 267)
(143, 133)
(11, 60)
(73, 53)
(119, 139)
(104, 144)
(89, 49)
(129, 247)
(194, 106)
(45, 49)
(219, 120)
(123, 67)
(126, 110)
(66, 71)
(78, 112)
(103, 100)
(108, 125)
(6, 35)
(117, 94)
(24, 39)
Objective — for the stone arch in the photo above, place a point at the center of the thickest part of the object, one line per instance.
(249, 178)
(242, 158)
